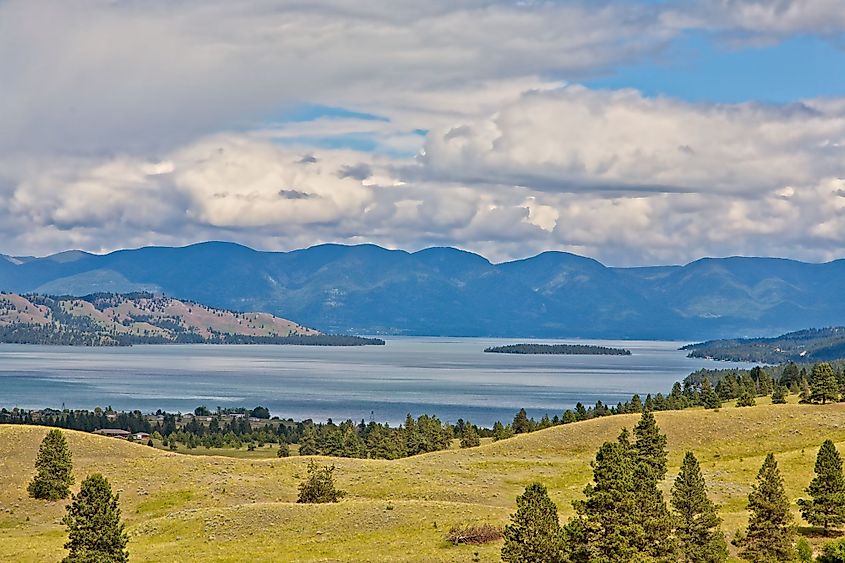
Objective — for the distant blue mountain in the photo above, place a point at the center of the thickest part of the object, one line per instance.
(444, 291)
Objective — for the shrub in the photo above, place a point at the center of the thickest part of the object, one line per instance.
(319, 487)
(284, 450)
(473, 534)
(833, 552)
(804, 551)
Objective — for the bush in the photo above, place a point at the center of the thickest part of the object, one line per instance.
(284, 450)
(804, 551)
(319, 487)
(473, 534)
(833, 552)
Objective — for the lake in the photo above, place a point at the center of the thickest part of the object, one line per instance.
(449, 377)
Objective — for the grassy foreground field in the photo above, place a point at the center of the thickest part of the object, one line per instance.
(190, 508)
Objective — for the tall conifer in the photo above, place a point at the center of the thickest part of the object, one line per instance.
(698, 531)
(54, 467)
(824, 387)
(534, 533)
(826, 508)
(770, 531)
(95, 532)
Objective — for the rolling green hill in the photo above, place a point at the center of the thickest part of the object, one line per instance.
(182, 508)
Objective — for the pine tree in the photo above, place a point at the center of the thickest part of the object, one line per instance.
(745, 399)
(650, 446)
(790, 375)
(709, 398)
(95, 532)
(824, 387)
(520, 422)
(470, 437)
(697, 522)
(770, 532)
(779, 395)
(609, 515)
(804, 396)
(308, 441)
(53, 467)
(284, 449)
(827, 489)
(649, 455)
(534, 534)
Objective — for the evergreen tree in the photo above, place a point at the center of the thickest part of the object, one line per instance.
(534, 534)
(284, 449)
(770, 532)
(318, 486)
(804, 396)
(470, 438)
(824, 387)
(609, 515)
(779, 395)
(790, 375)
(709, 398)
(649, 455)
(745, 399)
(636, 404)
(53, 467)
(308, 441)
(353, 445)
(827, 489)
(569, 417)
(650, 446)
(697, 522)
(520, 423)
(95, 532)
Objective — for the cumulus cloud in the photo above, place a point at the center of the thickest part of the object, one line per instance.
(133, 123)
(575, 139)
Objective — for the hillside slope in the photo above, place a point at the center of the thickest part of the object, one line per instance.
(811, 345)
(113, 319)
(182, 508)
(444, 291)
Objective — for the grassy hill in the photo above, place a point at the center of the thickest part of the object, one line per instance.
(181, 508)
(111, 319)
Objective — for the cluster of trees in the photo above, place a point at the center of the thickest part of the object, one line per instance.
(94, 526)
(624, 516)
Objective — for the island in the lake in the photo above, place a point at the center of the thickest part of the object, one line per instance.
(108, 319)
(560, 349)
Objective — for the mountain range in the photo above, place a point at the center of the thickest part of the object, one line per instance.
(367, 289)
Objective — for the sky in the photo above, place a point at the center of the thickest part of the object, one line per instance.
(635, 132)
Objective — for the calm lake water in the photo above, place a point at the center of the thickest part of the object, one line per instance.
(449, 377)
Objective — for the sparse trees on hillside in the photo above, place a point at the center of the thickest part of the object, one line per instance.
(54, 468)
(826, 507)
(95, 532)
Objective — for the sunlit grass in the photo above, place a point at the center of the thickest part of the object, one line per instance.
(215, 508)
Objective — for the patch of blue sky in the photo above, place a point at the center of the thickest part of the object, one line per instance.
(362, 142)
(312, 112)
(703, 67)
